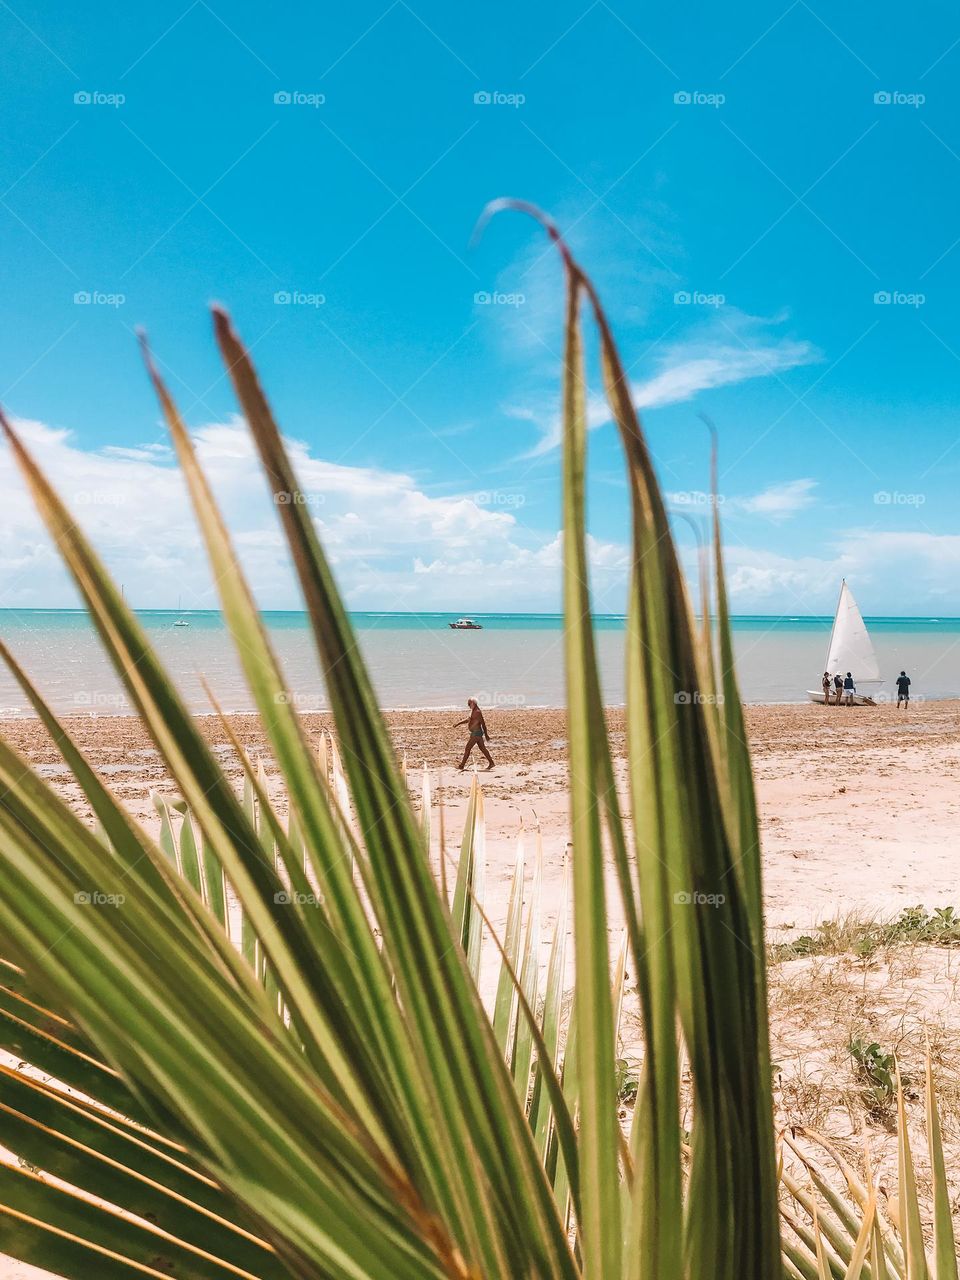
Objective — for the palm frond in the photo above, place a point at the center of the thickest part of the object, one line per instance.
(255, 1047)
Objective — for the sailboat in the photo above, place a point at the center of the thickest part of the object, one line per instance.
(851, 649)
(181, 620)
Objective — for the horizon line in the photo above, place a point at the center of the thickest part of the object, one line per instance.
(498, 613)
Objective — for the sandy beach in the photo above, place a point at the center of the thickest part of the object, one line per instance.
(860, 810)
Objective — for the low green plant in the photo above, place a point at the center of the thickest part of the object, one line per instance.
(860, 937)
(876, 1074)
(628, 1080)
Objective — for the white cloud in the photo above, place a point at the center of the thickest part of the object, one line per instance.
(913, 571)
(392, 545)
(781, 584)
(780, 500)
(908, 573)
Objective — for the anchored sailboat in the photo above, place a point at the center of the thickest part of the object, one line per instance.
(851, 649)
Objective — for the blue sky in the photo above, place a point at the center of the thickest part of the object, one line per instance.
(747, 187)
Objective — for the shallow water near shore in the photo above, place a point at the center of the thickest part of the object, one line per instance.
(415, 659)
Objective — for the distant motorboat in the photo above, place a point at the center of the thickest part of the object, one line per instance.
(465, 624)
(851, 649)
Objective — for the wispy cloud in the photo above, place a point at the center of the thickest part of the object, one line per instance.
(777, 502)
(684, 375)
(780, 501)
(730, 349)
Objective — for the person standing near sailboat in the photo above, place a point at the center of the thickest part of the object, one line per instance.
(903, 690)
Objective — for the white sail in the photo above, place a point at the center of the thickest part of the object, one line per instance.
(851, 648)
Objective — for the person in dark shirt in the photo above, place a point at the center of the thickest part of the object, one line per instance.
(903, 689)
(849, 689)
(838, 688)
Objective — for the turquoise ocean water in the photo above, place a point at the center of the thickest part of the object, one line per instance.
(417, 661)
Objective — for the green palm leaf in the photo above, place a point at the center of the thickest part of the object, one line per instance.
(325, 1094)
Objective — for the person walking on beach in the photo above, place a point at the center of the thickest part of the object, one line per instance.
(838, 688)
(477, 728)
(849, 688)
(903, 690)
(827, 684)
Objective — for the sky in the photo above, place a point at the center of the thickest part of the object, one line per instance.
(765, 196)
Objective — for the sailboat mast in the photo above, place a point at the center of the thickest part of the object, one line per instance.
(833, 629)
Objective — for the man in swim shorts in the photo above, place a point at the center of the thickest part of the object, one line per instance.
(477, 727)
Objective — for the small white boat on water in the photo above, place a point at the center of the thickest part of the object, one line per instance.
(851, 649)
(465, 624)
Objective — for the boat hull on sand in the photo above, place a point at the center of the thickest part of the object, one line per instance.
(859, 699)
